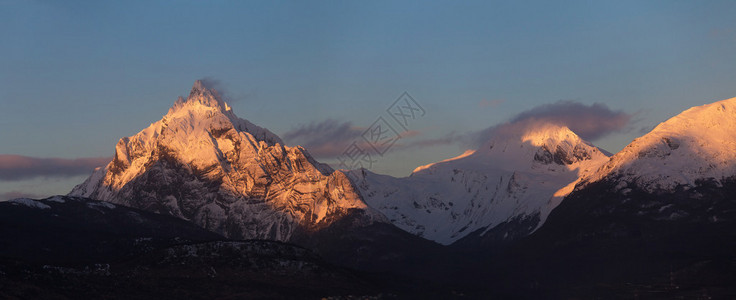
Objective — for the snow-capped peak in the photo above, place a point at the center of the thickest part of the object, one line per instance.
(205, 109)
(699, 143)
(203, 163)
(518, 176)
(536, 134)
(525, 145)
(201, 95)
(550, 134)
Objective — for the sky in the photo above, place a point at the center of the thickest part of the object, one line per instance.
(76, 76)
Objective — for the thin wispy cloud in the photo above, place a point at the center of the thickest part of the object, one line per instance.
(226, 93)
(328, 138)
(18, 167)
(452, 138)
(17, 194)
(588, 121)
(213, 83)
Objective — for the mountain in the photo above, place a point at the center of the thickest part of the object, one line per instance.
(656, 220)
(689, 154)
(202, 163)
(63, 229)
(499, 192)
(696, 144)
(76, 248)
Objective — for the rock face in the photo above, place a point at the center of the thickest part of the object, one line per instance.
(202, 163)
(500, 192)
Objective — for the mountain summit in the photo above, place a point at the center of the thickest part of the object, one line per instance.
(501, 191)
(202, 163)
(684, 170)
(696, 145)
(659, 212)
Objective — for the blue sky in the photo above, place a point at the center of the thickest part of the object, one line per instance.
(76, 76)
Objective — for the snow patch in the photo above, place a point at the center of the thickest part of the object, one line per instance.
(102, 204)
(447, 200)
(57, 199)
(263, 189)
(30, 203)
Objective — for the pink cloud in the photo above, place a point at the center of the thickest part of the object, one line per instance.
(18, 167)
(328, 138)
(17, 194)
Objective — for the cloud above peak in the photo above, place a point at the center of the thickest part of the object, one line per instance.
(18, 194)
(211, 83)
(229, 95)
(589, 121)
(329, 138)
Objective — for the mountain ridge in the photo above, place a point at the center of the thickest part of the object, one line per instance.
(657, 219)
(202, 163)
(693, 145)
(519, 176)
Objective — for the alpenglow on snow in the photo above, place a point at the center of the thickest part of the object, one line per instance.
(697, 144)
(202, 163)
(515, 179)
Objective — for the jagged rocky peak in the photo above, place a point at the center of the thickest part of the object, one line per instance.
(200, 88)
(203, 95)
(205, 105)
(202, 163)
